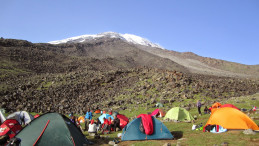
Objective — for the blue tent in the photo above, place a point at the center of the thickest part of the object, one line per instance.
(106, 116)
(132, 131)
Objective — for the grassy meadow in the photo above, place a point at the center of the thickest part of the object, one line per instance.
(183, 133)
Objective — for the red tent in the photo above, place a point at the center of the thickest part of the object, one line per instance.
(158, 112)
(229, 105)
(10, 127)
(123, 120)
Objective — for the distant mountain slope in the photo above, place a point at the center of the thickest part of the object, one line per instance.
(205, 65)
(188, 60)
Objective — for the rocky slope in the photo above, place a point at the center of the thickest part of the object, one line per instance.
(107, 72)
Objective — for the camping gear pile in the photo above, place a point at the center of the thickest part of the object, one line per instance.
(13, 124)
(22, 117)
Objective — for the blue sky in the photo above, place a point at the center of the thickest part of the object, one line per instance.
(221, 29)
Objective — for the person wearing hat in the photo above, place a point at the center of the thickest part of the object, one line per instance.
(92, 127)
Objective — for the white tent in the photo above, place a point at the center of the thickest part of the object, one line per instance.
(2, 117)
(22, 117)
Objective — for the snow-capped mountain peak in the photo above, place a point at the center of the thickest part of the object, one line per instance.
(126, 37)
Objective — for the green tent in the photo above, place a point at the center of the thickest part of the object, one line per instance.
(178, 113)
(51, 129)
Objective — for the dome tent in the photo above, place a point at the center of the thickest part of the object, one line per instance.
(231, 118)
(123, 120)
(158, 112)
(106, 116)
(52, 129)
(178, 113)
(133, 132)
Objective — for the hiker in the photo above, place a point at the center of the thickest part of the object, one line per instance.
(199, 107)
(92, 127)
(206, 110)
(116, 123)
(88, 117)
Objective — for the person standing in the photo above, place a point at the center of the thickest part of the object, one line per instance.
(199, 107)
(88, 117)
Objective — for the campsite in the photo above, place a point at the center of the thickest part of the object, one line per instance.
(129, 73)
(180, 130)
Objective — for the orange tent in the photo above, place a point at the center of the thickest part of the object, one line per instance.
(81, 119)
(97, 111)
(216, 105)
(231, 118)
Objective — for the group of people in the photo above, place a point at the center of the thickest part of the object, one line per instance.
(206, 109)
(92, 126)
(111, 125)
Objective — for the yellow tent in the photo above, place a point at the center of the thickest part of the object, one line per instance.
(231, 118)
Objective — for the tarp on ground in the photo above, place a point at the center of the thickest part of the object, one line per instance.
(21, 117)
(52, 129)
(132, 131)
(178, 113)
(106, 116)
(231, 118)
(158, 112)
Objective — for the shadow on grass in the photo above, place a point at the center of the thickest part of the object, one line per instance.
(177, 134)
